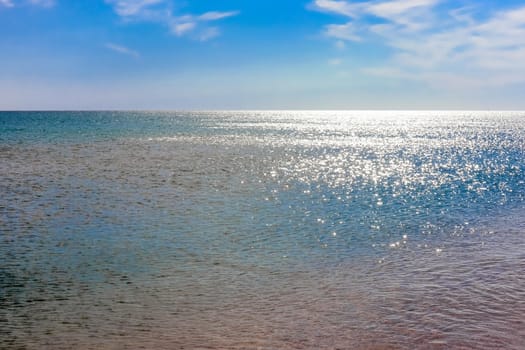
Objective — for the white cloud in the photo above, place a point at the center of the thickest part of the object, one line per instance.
(160, 11)
(122, 50)
(215, 15)
(384, 9)
(182, 25)
(127, 8)
(390, 9)
(337, 6)
(435, 42)
(412, 14)
(346, 31)
(180, 29)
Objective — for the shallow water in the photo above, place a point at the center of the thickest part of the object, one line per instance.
(272, 230)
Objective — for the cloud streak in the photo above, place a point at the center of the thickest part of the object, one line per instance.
(434, 42)
(196, 25)
(122, 50)
(41, 3)
(127, 8)
(160, 11)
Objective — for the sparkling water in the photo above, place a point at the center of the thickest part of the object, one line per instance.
(271, 230)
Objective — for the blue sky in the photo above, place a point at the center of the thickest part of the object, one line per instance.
(238, 54)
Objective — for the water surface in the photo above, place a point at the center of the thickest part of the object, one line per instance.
(272, 230)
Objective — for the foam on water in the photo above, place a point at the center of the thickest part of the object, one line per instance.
(262, 229)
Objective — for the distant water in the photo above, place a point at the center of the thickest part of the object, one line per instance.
(270, 230)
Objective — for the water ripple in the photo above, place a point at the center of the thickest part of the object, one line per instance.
(274, 230)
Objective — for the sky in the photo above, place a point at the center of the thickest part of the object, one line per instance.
(262, 54)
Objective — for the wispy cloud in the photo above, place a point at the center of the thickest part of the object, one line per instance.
(437, 41)
(41, 3)
(160, 11)
(344, 8)
(6, 3)
(215, 15)
(405, 15)
(340, 44)
(122, 50)
(196, 25)
(347, 31)
(126, 8)
(335, 61)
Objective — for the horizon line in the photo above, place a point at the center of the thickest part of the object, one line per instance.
(262, 110)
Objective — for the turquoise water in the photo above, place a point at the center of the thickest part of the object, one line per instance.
(273, 230)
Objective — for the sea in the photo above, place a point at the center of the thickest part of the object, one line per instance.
(262, 230)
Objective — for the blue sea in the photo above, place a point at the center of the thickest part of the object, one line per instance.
(262, 230)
